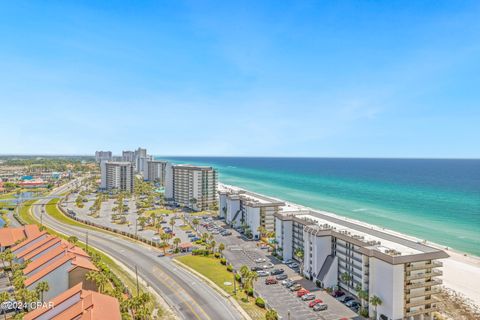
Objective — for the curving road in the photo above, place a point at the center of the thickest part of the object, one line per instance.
(188, 295)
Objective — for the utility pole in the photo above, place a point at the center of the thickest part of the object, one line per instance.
(136, 222)
(86, 242)
(288, 314)
(234, 283)
(136, 275)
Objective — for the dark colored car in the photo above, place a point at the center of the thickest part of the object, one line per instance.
(346, 299)
(281, 277)
(338, 294)
(255, 268)
(274, 272)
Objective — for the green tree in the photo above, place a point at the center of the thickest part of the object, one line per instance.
(4, 297)
(271, 315)
(72, 239)
(195, 223)
(41, 288)
(99, 278)
(221, 247)
(375, 301)
(176, 242)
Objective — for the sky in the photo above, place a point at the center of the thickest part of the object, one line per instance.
(241, 78)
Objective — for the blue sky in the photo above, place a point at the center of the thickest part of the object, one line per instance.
(259, 78)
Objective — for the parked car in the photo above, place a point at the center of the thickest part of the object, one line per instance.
(281, 277)
(271, 280)
(268, 266)
(262, 273)
(255, 268)
(191, 235)
(293, 265)
(302, 292)
(195, 239)
(289, 261)
(226, 233)
(345, 299)
(338, 294)
(314, 303)
(288, 283)
(295, 287)
(260, 260)
(352, 304)
(320, 307)
(275, 272)
(308, 297)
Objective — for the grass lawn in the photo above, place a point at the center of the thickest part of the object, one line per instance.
(215, 271)
(201, 213)
(186, 227)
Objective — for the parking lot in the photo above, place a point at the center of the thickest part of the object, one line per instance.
(240, 251)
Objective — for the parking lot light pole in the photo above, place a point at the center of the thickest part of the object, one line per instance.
(288, 314)
(234, 283)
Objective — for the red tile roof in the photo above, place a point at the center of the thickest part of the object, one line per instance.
(89, 306)
(9, 236)
(28, 241)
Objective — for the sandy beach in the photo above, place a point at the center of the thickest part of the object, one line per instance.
(461, 272)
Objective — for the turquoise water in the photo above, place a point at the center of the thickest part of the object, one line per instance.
(436, 200)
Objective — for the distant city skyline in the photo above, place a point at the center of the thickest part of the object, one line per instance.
(339, 79)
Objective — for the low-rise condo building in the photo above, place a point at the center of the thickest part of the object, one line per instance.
(194, 186)
(77, 303)
(117, 176)
(337, 252)
(250, 210)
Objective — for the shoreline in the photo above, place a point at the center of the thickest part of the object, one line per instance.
(461, 272)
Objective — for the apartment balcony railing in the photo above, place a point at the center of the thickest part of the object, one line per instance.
(420, 303)
(421, 311)
(422, 293)
(433, 273)
(423, 284)
(434, 264)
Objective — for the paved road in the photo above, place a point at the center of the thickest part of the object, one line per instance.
(189, 296)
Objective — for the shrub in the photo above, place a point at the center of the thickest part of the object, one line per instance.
(260, 302)
(244, 300)
(223, 261)
(249, 292)
(217, 255)
(364, 312)
(199, 242)
(238, 277)
(230, 268)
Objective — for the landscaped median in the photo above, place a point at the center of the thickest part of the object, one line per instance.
(213, 269)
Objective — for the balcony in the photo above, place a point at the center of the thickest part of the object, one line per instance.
(420, 311)
(420, 303)
(433, 273)
(424, 284)
(433, 264)
(422, 293)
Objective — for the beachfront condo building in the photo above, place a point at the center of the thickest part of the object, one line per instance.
(194, 187)
(338, 252)
(161, 172)
(252, 211)
(103, 156)
(117, 176)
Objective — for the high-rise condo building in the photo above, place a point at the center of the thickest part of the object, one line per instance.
(161, 172)
(128, 156)
(334, 251)
(117, 176)
(103, 156)
(194, 186)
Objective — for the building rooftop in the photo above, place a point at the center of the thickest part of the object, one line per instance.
(79, 304)
(9, 236)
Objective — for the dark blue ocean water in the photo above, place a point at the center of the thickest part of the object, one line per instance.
(436, 200)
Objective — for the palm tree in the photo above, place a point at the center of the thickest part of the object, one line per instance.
(164, 237)
(262, 231)
(172, 222)
(361, 294)
(41, 288)
(4, 297)
(250, 279)
(99, 278)
(244, 270)
(195, 223)
(299, 254)
(346, 278)
(375, 301)
(72, 239)
(176, 242)
(221, 247)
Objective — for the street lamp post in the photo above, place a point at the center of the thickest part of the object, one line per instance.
(234, 282)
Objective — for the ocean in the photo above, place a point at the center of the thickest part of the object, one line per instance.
(435, 200)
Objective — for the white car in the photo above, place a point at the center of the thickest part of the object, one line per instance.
(293, 265)
(259, 260)
(268, 266)
(262, 273)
